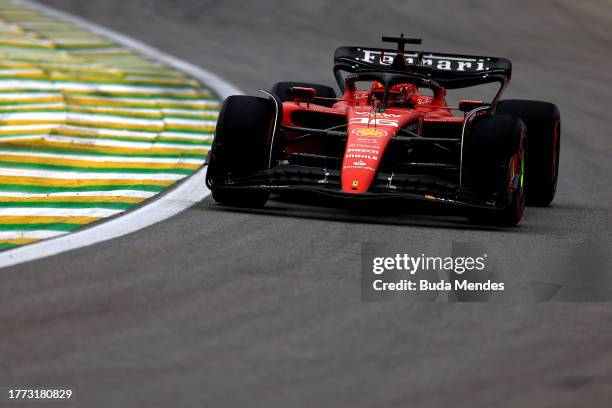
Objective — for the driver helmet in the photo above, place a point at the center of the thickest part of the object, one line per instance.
(398, 94)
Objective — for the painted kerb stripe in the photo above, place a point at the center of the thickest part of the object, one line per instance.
(185, 106)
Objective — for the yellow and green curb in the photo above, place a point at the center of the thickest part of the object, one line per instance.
(88, 128)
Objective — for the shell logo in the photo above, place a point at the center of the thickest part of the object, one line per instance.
(370, 132)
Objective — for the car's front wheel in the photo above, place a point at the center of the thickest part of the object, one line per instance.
(495, 165)
(241, 146)
(543, 123)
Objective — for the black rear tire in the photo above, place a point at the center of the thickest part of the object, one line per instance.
(494, 165)
(280, 89)
(543, 122)
(241, 146)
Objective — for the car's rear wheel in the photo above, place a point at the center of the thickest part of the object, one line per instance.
(543, 123)
(280, 89)
(241, 146)
(495, 165)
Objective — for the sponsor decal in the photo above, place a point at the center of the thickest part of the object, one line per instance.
(379, 114)
(367, 140)
(360, 168)
(355, 150)
(441, 119)
(444, 63)
(324, 109)
(362, 146)
(370, 132)
(359, 163)
(361, 156)
(375, 121)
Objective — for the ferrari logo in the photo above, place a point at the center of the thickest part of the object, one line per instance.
(355, 183)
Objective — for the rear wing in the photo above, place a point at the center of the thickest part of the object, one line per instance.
(450, 71)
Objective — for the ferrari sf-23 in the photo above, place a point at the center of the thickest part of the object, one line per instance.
(391, 135)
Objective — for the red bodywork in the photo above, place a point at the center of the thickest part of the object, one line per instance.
(369, 130)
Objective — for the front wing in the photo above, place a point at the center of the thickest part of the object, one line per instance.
(419, 188)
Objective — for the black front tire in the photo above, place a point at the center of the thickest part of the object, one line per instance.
(241, 146)
(494, 165)
(543, 122)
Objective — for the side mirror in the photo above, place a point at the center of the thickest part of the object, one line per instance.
(467, 105)
(299, 92)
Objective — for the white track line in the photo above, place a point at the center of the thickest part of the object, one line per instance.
(57, 212)
(109, 193)
(103, 159)
(35, 234)
(86, 174)
(187, 193)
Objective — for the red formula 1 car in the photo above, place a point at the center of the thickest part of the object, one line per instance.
(391, 135)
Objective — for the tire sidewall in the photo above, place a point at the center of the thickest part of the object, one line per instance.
(543, 123)
(242, 138)
(493, 145)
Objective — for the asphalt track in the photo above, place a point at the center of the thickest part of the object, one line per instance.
(217, 307)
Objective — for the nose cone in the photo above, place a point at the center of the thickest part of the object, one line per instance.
(364, 149)
(369, 133)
